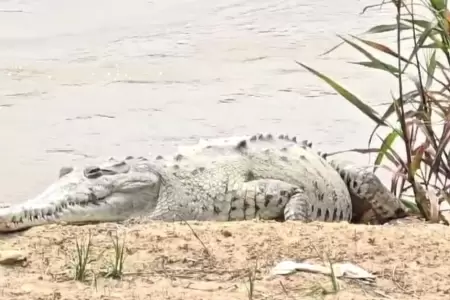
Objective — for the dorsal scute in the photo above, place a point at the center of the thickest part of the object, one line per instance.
(178, 157)
(243, 144)
(261, 137)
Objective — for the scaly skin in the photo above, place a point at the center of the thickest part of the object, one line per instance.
(371, 200)
(256, 177)
(216, 179)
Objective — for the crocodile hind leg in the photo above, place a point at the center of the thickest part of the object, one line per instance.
(372, 202)
(271, 199)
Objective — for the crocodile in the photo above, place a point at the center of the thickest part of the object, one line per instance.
(264, 176)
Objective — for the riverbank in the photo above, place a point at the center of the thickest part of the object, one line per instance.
(213, 260)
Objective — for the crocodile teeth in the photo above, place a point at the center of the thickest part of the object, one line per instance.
(50, 211)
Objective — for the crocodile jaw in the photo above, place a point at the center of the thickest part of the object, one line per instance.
(115, 208)
(73, 201)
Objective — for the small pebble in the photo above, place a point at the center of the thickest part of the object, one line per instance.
(10, 257)
(226, 233)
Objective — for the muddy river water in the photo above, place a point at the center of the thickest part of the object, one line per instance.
(86, 79)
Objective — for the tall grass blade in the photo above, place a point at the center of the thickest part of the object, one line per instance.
(438, 162)
(419, 44)
(332, 49)
(364, 108)
(434, 45)
(385, 147)
(431, 68)
(417, 158)
(376, 65)
(382, 48)
(374, 62)
(357, 150)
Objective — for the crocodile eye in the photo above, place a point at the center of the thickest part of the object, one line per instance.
(92, 172)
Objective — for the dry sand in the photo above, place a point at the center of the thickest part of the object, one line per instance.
(168, 261)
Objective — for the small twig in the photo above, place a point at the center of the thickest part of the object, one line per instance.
(372, 6)
(285, 290)
(334, 280)
(196, 236)
(251, 282)
(396, 280)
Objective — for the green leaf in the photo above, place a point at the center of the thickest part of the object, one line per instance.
(434, 45)
(418, 45)
(431, 68)
(387, 114)
(443, 142)
(387, 28)
(375, 62)
(370, 64)
(391, 109)
(332, 49)
(381, 48)
(385, 147)
(439, 5)
(364, 108)
(411, 206)
(421, 23)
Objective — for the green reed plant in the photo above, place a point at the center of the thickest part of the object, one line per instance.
(417, 118)
(118, 260)
(82, 258)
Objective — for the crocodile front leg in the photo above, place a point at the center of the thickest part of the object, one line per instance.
(302, 207)
(262, 199)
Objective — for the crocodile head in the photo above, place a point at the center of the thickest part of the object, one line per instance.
(112, 191)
